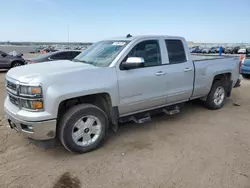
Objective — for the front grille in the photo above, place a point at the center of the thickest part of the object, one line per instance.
(12, 86)
(14, 100)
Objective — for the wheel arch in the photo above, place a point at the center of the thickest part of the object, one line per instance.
(16, 61)
(102, 100)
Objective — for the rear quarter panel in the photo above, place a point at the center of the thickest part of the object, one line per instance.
(206, 70)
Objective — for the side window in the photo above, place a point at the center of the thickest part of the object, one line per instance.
(149, 50)
(61, 55)
(74, 54)
(176, 51)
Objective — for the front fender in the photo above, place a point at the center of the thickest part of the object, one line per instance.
(56, 94)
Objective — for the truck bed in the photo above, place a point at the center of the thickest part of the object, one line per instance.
(207, 66)
(203, 57)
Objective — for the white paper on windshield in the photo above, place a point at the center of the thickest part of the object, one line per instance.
(119, 43)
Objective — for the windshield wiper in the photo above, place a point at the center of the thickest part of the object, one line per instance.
(77, 60)
(83, 61)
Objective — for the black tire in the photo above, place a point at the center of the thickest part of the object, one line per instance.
(68, 120)
(210, 102)
(247, 76)
(16, 64)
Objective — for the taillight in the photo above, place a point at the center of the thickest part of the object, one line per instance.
(242, 57)
(240, 65)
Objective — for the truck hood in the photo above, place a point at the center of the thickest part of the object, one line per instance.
(27, 73)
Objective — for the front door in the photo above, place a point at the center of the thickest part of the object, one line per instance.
(142, 88)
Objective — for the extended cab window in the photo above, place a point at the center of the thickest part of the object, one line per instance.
(149, 50)
(176, 51)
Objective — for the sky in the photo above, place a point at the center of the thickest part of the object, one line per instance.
(92, 20)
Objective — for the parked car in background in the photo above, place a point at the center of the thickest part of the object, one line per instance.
(8, 61)
(52, 56)
(116, 80)
(195, 50)
(205, 50)
(36, 50)
(47, 50)
(228, 50)
(242, 51)
(213, 50)
(236, 49)
(245, 67)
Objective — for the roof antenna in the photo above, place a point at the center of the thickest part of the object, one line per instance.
(128, 36)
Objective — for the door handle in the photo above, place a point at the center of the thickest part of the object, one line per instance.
(160, 73)
(187, 69)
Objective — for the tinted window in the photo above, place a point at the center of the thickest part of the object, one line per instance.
(74, 54)
(149, 50)
(61, 55)
(176, 52)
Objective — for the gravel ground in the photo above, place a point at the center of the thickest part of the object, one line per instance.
(197, 148)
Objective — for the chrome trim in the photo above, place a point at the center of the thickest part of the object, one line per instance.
(24, 98)
(27, 95)
(31, 95)
(29, 99)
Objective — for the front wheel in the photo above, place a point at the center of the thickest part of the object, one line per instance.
(83, 128)
(17, 64)
(217, 96)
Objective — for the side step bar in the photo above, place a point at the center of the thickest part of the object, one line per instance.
(146, 117)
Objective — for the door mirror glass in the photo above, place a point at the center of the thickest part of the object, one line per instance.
(133, 63)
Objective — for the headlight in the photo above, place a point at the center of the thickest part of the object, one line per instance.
(32, 104)
(30, 90)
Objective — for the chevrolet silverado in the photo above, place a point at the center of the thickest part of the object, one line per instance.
(112, 81)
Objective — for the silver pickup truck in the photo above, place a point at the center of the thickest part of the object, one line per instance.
(117, 80)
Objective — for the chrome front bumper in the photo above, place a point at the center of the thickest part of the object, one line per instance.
(41, 130)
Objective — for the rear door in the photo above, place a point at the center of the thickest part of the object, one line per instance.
(180, 72)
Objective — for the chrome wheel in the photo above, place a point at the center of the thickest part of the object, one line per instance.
(219, 95)
(86, 130)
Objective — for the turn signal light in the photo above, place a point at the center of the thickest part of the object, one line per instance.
(37, 104)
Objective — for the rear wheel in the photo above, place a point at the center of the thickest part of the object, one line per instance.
(246, 76)
(17, 64)
(83, 128)
(217, 96)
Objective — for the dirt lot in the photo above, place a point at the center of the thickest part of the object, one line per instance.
(195, 149)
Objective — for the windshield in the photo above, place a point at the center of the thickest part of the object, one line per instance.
(101, 54)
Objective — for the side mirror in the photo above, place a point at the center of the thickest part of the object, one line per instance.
(4, 55)
(133, 63)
